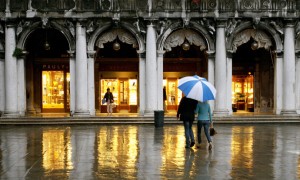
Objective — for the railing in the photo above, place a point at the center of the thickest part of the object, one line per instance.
(143, 5)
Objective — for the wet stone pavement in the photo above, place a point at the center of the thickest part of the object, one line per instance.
(255, 151)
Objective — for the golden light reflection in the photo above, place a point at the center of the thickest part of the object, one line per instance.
(242, 149)
(173, 150)
(117, 148)
(57, 150)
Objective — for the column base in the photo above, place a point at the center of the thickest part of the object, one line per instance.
(82, 114)
(11, 114)
(31, 112)
(289, 113)
(221, 113)
(149, 113)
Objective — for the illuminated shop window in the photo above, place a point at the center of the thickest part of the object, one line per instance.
(53, 89)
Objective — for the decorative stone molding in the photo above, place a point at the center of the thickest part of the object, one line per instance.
(259, 36)
(231, 25)
(21, 26)
(178, 37)
(110, 36)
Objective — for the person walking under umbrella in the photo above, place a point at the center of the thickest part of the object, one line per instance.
(203, 120)
(186, 114)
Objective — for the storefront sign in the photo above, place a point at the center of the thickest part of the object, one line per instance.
(55, 67)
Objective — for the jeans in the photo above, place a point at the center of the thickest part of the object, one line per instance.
(206, 125)
(188, 132)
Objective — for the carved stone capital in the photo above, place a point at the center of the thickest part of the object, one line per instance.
(71, 54)
(289, 22)
(221, 23)
(141, 54)
(160, 53)
(279, 53)
(91, 54)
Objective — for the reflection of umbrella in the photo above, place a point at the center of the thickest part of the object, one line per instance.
(197, 88)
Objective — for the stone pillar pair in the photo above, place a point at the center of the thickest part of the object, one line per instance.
(84, 76)
(12, 92)
(154, 75)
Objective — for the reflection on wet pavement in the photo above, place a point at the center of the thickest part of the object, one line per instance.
(144, 152)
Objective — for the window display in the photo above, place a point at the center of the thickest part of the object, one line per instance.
(53, 89)
(132, 92)
(242, 92)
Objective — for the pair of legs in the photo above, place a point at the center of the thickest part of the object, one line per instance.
(189, 135)
(109, 108)
(205, 125)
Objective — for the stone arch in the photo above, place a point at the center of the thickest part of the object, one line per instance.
(245, 31)
(132, 36)
(191, 34)
(24, 35)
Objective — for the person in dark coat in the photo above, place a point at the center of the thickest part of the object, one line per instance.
(109, 100)
(186, 113)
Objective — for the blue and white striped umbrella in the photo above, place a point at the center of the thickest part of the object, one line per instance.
(197, 88)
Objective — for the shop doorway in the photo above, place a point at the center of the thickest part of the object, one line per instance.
(125, 94)
(252, 79)
(55, 91)
(47, 71)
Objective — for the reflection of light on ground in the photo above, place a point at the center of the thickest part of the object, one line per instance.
(173, 149)
(117, 148)
(242, 148)
(294, 152)
(57, 150)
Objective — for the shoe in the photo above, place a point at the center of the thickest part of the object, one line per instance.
(192, 144)
(210, 146)
(198, 146)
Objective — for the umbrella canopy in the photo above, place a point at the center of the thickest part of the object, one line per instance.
(197, 88)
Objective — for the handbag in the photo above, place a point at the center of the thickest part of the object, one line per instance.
(103, 101)
(212, 130)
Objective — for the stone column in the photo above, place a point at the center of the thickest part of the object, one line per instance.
(81, 100)
(72, 63)
(21, 84)
(160, 78)
(11, 77)
(298, 82)
(278, 83)
(289, 72)
(91, 82)
(2, 82)
(229, 82)
(142, 82)
(30, 89)
(220, 74)
(151, 73)
(211, 73)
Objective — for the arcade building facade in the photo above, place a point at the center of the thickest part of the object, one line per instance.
(60, 56)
